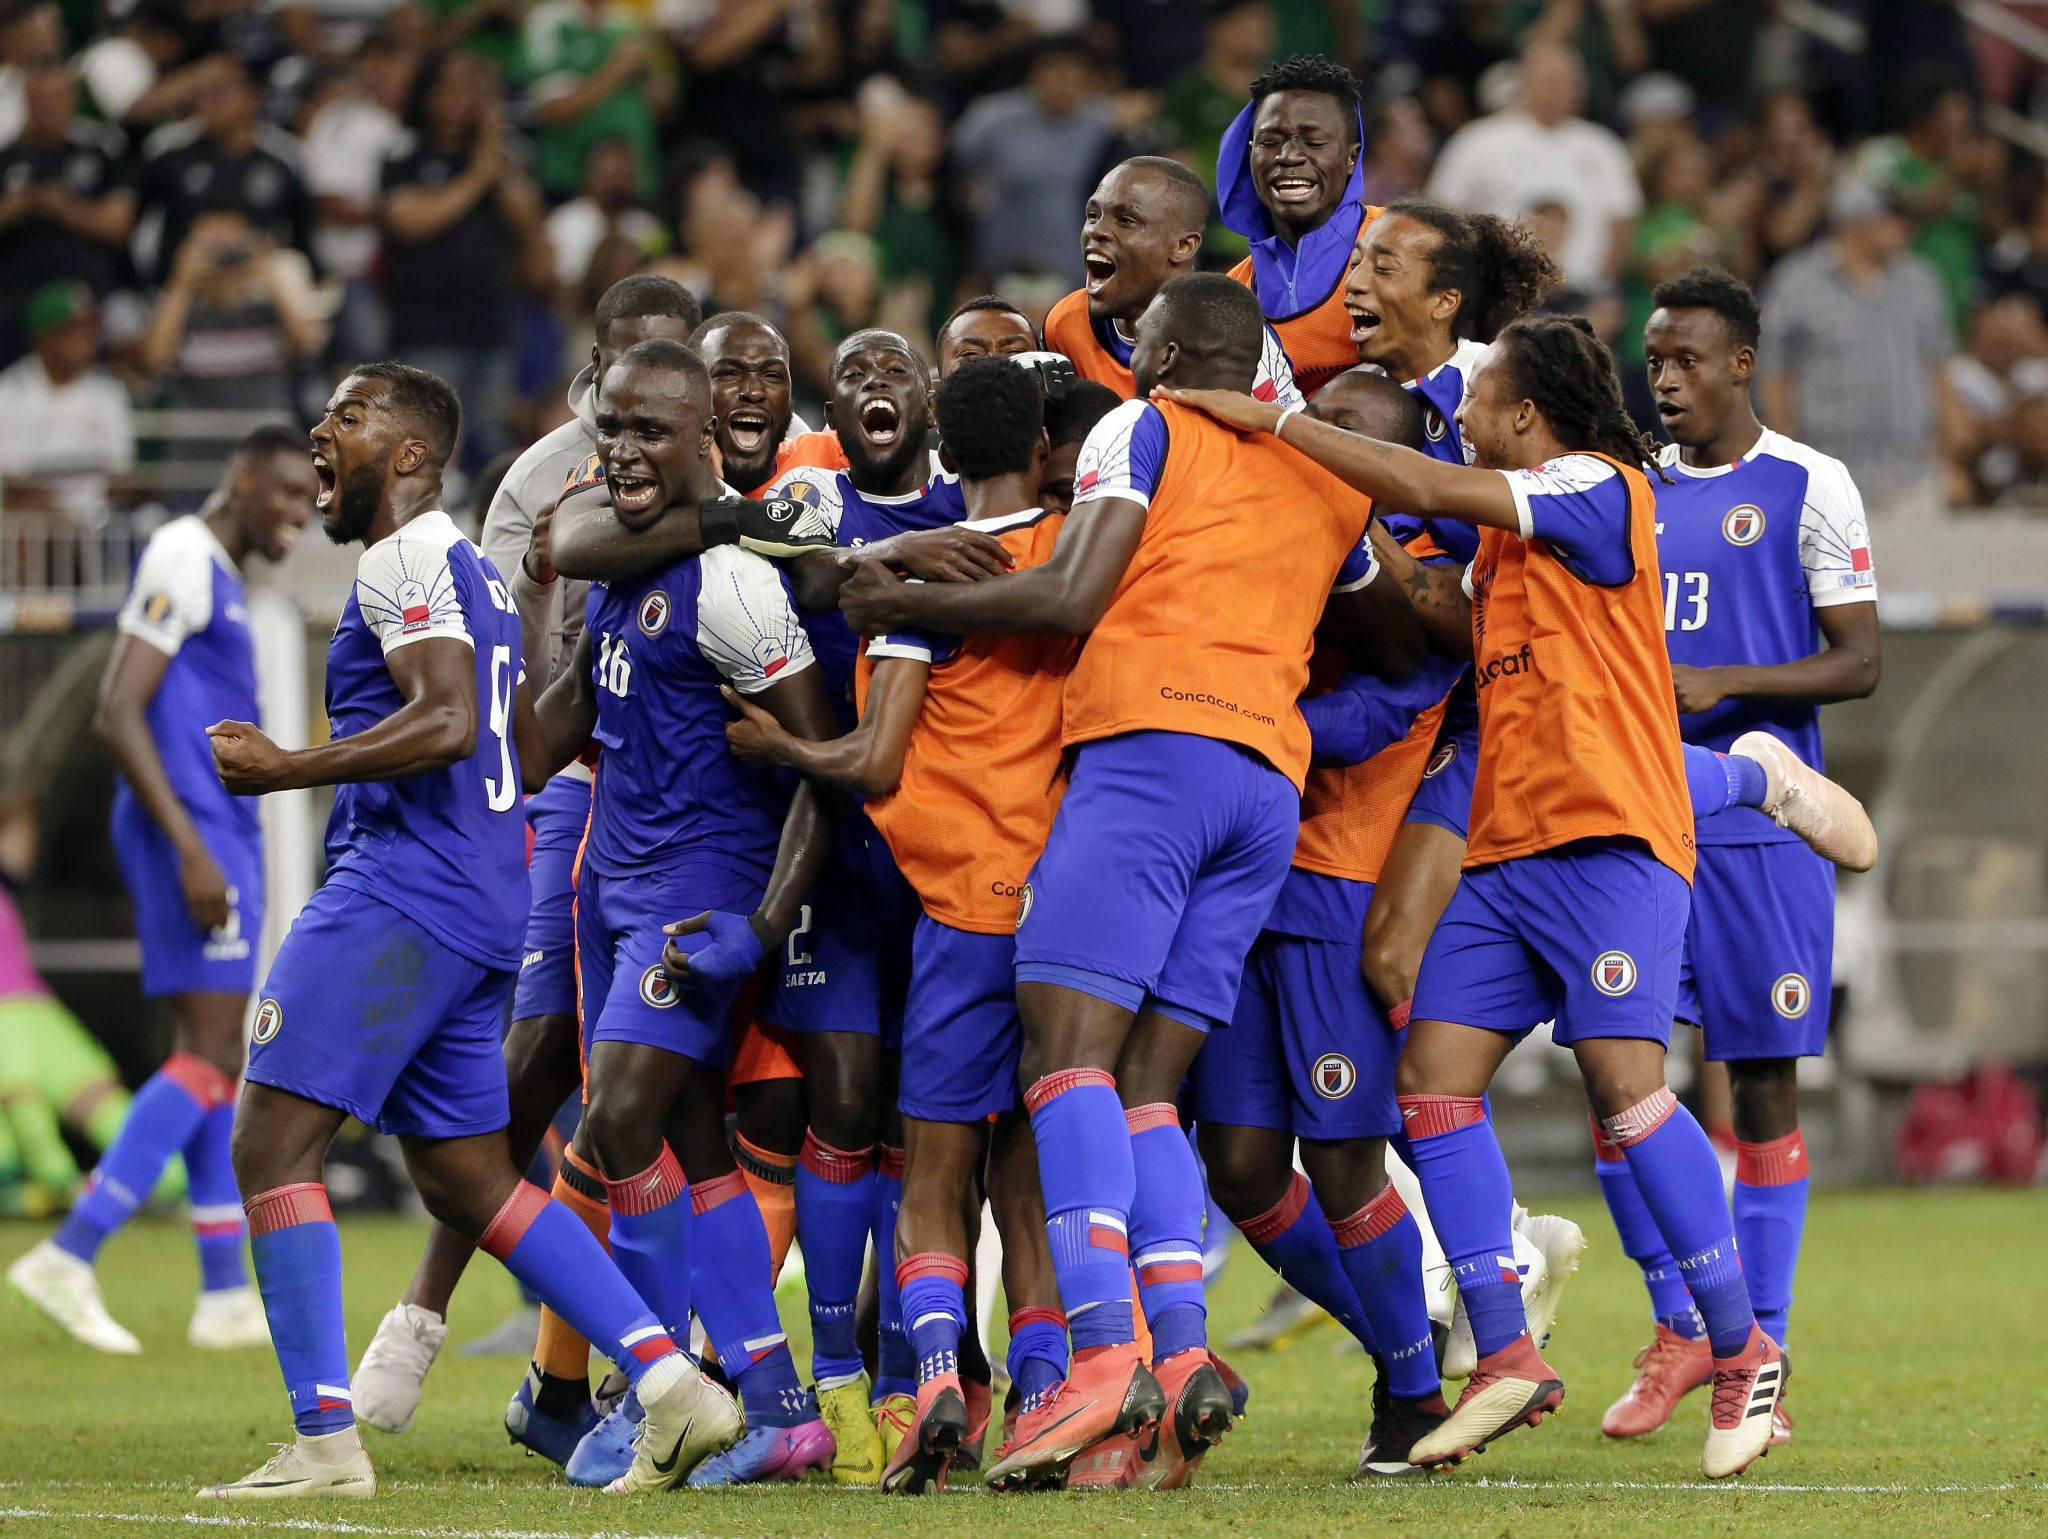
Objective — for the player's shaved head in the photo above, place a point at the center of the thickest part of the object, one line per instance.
(387, 424)
(990, 415)
(1203, 332)
(654, 431)
(1180, 196)
(875, 339)
(987, 324)
(268, 490)
(880, 406)
(421, 404)
(1141, 226)
(750, 380)
(640, 296)
(679, 369)
(1367, 402)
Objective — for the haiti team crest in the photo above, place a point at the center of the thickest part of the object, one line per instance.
(1333, 1076)
(1792, 996)
(1743, 525)
(269, 1018)
(1614, 973)
(657, 989)
(654, 613)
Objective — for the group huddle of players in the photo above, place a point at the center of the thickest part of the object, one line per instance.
(1250, 707)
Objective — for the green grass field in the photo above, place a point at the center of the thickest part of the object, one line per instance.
(1920, 1349)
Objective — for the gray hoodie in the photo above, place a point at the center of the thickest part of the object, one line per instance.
(535, 480)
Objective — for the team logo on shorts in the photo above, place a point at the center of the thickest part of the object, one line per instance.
(654, 613)
(1445, 756)
(1743, 525)
(269, 1017)
(1614, 973)
(1333, 1076)
(657, 989)
(1433, 425)
(1024, 905)
(1791, 996)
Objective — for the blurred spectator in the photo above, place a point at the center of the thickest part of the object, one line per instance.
(223, 159)
(1607, 36)
(351, 131)
(1709, 44)
(734, 251)
(592, 79)
(1541, 149)
(835, 290)
(1398, 149)
(899, 189)
(1200, 101)
(491, 29)
(136, 77)
(1034, 154)
(606, 207)
(65, 427)
(1551, 222)
(2003, 369)
(464, 230)
(981, 46)
(1797, 166)
(66, 204)
(1682, 226)
(237, 316)
(2017, 262)
(1855, 334)
(29, 35)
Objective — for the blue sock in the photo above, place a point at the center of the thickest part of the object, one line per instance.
(1166, 1230)
(1037, 1358)
(835, 1205)
(1293, 1238)
(1770, 1216)
(298, 1267)
(736, 1302)
(165, 1114)
(1717, 781)
(1086, 1171)
(651, 1239)
(218, 1224)
(934, 1289)
(1641, 1243)
(1471, 1201)
(1680, 1179)
(547, 1249)
(1381, 1248)
(895, 1358)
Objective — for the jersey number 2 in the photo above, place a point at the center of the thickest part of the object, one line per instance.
(1685, 590)
(503, 791)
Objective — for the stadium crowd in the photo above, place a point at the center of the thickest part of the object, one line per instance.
(216, 203)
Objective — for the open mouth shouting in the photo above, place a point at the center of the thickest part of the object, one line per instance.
(1100, 270)
(881, 422)
(748, 428)
(328, 480)
(1292, 189)
(1365, 325)
(632, 493)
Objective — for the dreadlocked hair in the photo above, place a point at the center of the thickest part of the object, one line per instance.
(1497, 267)
(1558, 363)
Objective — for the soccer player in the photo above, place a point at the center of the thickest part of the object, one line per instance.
(1173, 839)
(1770, 612)
(750, 374)
(193, 859)
(1578, 869)
(984, 325)
(1141, 228)
(1288, 179)
(551, 1409)
(1068, 422)
(386, 999)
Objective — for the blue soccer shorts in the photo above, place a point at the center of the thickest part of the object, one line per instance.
(846, 964)
(558, 814)
(627, 997)
(1161, 868)
(1590, 935)
(178, 957)
(1760, 951)
(367, 1011)
(961, 1035)
(1444, 796)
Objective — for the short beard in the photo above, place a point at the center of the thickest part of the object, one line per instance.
(886, 469)
(745, 475)
(356, 501)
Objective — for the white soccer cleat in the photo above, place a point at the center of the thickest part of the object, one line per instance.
(1801, 798)
(389, 1379)
(1561, 1242)
(227, 1318)
(334, 1465)
(687, 1420)
(1747, 1389)
(67, 1290)
(1460, 1352)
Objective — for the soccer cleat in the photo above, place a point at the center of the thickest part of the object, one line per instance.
(68, 1292)
(511, 1337)
(1459, 1353)
(765, 1454)
(857, 1446)
(605, 1452)
(1560, 1242)
(894, 1416)
(1397, 1426)
(1197, 1417)
(1287, 1317)
(1801, 798)
(1667, 1370)
(687, 1420)
(1781, 1425)
(554, 1438)
(1510, 1388)
(926, 1452)
(226, 1318)
(1747, 1389)
(980, 1400)
(1110, 1391)
(610, 1390)
(333, 1465)
(393, 1370)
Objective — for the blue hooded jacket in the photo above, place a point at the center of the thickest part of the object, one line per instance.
(1288, 279)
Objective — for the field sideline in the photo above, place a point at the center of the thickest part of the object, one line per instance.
(1919, 1344)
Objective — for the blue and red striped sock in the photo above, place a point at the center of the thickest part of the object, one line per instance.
(1086, 1171)
(218, 1225)
(298, 1268)
(164, 1115)
(1471, 1199)
(1293, 1238)
(547, 1247)
(651, 1239)
(1680, 1179)
(1640, 1242)
(1381, 1248)
(934, 1289)
(1770, 1217)
(835, 1206)
(895, 1358)
(1037, 1357)
(736, 1301)
(1166, 1230)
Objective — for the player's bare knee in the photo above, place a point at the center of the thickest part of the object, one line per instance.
(1765, 1093)
(1345, 1174)
(622, 1134)
(540, 1058)
(771, 1114)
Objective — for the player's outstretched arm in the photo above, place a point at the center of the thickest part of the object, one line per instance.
(1387, 473)
(868, 760)
(434, 728)
(1845, 669)
(1064, 596)
(1435, 590)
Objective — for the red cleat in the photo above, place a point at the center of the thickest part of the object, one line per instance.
(1197, 1417)
(1667, 1370)
(1510, 1388)
(980, 1400)
(925, 1454)
(1106, 1392)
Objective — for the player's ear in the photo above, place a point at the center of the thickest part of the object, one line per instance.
(412, 454)
(1187, 248)
(1444, 304)
(1743, 364)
